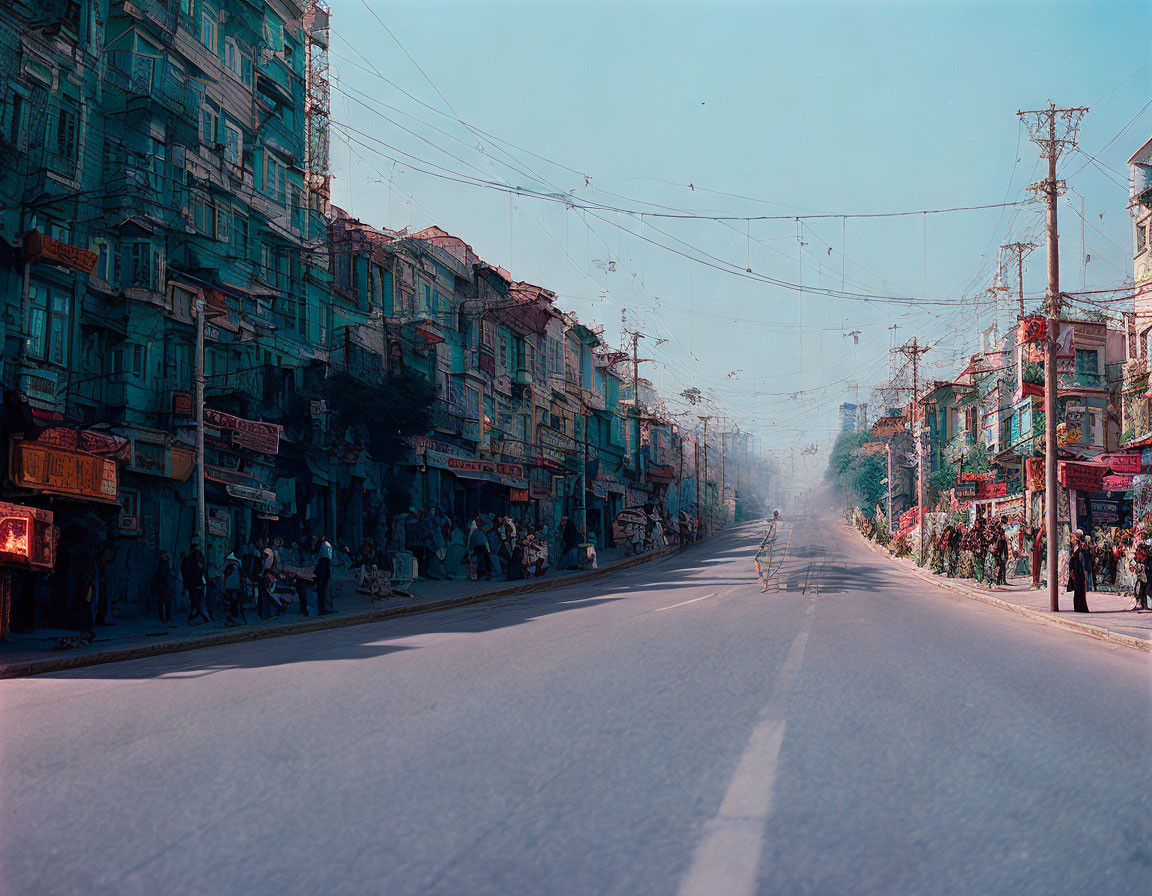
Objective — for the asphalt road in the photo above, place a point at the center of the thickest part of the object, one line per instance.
(668, 730)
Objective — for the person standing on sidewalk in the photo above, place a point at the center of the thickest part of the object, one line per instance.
(323, 575)
(162, 588)
(1038, 541)
(232, 598)
(1079, 566)
(192, 572)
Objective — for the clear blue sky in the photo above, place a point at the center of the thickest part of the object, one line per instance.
(800, 107)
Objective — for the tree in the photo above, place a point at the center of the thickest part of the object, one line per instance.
(383, 416)
(859, 475)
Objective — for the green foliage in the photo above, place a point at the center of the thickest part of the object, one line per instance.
(1128, 435)
(858, 475)
(977, 460)
(381, 416)
(939, 482)
(1034, 373)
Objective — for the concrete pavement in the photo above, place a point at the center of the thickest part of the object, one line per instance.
(667, 730)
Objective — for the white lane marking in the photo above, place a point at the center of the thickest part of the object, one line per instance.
(728, 858)
(685, 603)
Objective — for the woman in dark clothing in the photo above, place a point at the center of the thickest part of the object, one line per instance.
(1079, 567)
(1000, 553)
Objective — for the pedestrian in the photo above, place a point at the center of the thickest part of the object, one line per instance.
(1039, 545)
(571, 537)
(162, 588)
(1140, 567)
(192, 571)
(1079, 566)
(323, 574)
(1000, 556)
(232, 590)
(515, 563)
(1086, 544)
(1147, 569)
(267, 579)
(479, 552)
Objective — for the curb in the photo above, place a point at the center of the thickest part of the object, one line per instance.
(1092, 631)
(236, 636)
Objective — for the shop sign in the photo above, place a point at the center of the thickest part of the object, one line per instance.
(1031, 328)
(27, 535)
(246, 493)
(63, 472)
(219, 522)
(1080, 476)
(518, 495)
(977, 477)
(253, 434)
(511, 475)
(182, 404)
(965, 490)
(228, 476)
(1124, 463)
(986, 490)
(470, 429)
(38, 247)
(540, 491)
(1118, 482)
(662, 474)
(1104, 513)
(421, 444)
(1034, 474)
(268, 510)
(553, 456)
(509, 447)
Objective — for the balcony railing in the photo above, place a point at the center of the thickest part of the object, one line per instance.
(157, 79)
(1082, 381)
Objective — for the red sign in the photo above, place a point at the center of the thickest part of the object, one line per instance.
(518, 495)
(254, 434)
(26, 535)
(1080, 476)
(977, 477)
(1031, 328)
(1034, 474)
(182, 404)
(1124, 463)
(38, 247)
(1118, 482)
(63, 472)
(991, 489)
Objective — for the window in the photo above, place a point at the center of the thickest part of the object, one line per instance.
(103, 262)
(240, 234)
(297, 218)
(232, 56)
(1141, 238)
(223, 219)
(208, 28)
(186, 8)
(275, 184)
(16, 124)
(203, 216)
(209, 125)
(1086, 362)
(246, 69)
(425, 298)
(48, 325)
(233, 143)
(273, 33)
(144, 268)
(67, 135)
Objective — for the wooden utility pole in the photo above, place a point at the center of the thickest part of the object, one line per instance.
(711, 504)
(1019, 250)
(723, 503)
(889, 485)
(1042, 127)
(913, 350)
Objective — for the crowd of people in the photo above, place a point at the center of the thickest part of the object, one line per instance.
(272, 574)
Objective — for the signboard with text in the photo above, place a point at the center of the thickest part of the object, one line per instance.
(253, 434)
(63, 472)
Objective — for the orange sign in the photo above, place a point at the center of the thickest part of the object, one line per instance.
(38, 247)
(63, 472)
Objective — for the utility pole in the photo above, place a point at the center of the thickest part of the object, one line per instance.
(1019, 250)
(913, 350)
(723, 503)
(584, 476)
(1042, 127)
(889, 485)
(201, 533)
(699, 508)
(711, 505)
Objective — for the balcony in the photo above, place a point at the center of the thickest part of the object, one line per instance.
(1081, 381)
(151, 80)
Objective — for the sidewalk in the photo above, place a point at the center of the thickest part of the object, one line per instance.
(1112, 618)
(32, 653)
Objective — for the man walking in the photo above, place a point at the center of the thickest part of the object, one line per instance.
(323, 574)
(192, 573)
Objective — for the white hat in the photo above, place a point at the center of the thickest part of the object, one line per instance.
(232, 556)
